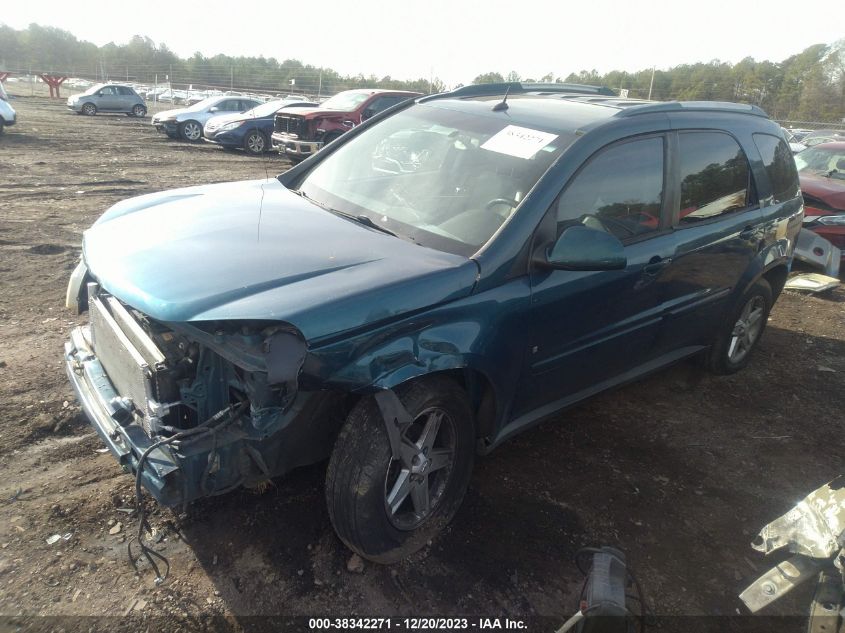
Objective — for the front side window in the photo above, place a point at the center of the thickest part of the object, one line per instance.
(779, 165)
(620, 190)
(437, 176)
(715, 178)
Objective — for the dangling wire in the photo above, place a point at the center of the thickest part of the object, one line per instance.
(193, 434)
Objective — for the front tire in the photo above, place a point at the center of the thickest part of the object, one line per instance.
(139, 111)
(738, 336)
(385, 508)
(89, 109)
(191, 131)
(255, 143)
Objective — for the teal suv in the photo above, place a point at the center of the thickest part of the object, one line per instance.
(448, 273)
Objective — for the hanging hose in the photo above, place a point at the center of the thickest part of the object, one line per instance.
(192, 435)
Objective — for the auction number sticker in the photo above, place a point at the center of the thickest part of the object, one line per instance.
(521, 142)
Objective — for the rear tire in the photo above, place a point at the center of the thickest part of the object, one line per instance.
(190, 130)
(739, 335)
(381, 509)
(89, 109)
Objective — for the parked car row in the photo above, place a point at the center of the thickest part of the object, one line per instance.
(292, 126)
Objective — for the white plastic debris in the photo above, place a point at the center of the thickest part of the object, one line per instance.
(811, 282)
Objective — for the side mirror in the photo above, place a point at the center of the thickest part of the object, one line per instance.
(583, 248)
(100, 94)
(214, 109)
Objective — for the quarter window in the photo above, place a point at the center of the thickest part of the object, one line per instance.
(620, 190)
(780, 166)
(715, 178)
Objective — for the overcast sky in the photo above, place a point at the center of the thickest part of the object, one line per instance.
(454, 39)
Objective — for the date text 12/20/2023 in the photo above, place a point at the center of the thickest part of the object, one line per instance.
(416, 624)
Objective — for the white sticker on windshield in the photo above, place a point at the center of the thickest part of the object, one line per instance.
(521, 142)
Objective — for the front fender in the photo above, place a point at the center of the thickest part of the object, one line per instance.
(483, 334)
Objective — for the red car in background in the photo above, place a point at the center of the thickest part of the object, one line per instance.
(821, 170)
(300, 133)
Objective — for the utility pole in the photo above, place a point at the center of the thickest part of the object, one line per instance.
(320, 84)
(651, 85)
(232, 78)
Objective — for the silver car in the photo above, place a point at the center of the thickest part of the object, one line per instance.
(8, 116)
(108, 98)
(187, 123)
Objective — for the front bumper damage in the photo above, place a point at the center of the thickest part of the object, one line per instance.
(172, 476)
(120, 379)
(293, 146)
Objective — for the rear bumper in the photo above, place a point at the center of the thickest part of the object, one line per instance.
(294, 146)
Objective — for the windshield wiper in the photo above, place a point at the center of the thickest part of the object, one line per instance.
(360, 219)
(366, 221)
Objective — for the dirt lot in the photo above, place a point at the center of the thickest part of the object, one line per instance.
(679, 470)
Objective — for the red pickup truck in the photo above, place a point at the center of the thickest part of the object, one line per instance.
(301, 132)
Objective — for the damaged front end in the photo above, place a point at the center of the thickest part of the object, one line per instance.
(141, 382)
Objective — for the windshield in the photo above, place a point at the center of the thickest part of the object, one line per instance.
(822, 161)
(345, 101)
(439, 177)
(265, 109)
(93, 89)
(205, 103)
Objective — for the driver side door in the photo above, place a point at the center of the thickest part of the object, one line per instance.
(588, 329)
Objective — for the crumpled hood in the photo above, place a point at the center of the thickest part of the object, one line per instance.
(166, 114)
(829, 190)
(310, 113)
(254, 250)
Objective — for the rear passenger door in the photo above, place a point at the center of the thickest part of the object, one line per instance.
(126, 98)
(717, 229)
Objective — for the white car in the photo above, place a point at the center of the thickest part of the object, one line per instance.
(187, 123)
(8, 116)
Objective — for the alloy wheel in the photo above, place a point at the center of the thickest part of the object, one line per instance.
(416, 481)
(747, 329)
(192, 131)
(255, 143)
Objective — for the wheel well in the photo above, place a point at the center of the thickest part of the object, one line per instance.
(479, 389)
(482, 397)
(776, 277)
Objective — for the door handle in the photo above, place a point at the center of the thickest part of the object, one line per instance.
(747, 233)
(656, 264)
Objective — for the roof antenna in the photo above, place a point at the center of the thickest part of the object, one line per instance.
(503, 104)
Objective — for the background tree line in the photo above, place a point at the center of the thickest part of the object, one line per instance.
(809, 86)
(49, 49)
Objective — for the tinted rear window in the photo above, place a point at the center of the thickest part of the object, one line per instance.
(714, 176)
(779, 164)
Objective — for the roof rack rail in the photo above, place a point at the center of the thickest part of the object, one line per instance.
(692, 106)
(515, 87)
